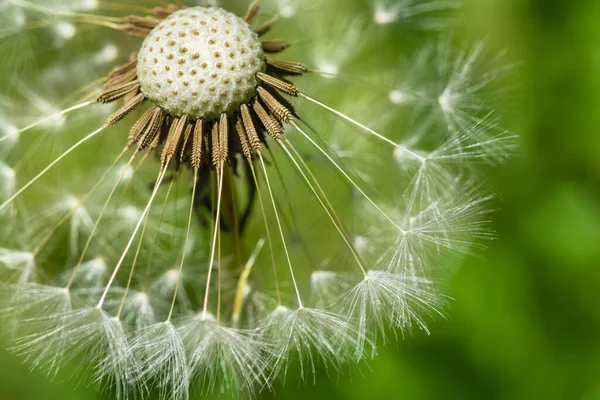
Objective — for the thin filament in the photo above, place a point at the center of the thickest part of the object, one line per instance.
(52, 164)
(155, 241)
(334, 220)
(287, 254)
(137, 227)
(51, 11)
(349, 178)
(97, 222)
(268, 231)
(236, 221)
(79, 204)
(45, 119)
(214, 241)
(363, 127)
(291, 209)
(133, 265)
(185, 243)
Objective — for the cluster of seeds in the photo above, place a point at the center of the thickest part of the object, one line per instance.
(201, 62)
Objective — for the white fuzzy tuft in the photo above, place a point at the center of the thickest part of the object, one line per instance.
(310, 337)
(383, 300)
(87, 333)
(165, 363)
(225, 359)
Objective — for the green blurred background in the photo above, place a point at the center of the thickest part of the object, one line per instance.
(525, 322)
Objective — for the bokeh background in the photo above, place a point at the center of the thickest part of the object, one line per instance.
(525, 322)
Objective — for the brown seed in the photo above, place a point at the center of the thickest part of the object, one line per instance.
(275, 46)
(252, 11)
(279, 110)
(126, 109)
(286, 87)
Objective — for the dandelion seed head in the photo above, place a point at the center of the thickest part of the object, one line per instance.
(207, 65)
(149, 297)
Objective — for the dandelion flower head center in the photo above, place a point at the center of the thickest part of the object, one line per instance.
(201, 62)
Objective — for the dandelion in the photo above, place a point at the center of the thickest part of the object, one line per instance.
(146, 280)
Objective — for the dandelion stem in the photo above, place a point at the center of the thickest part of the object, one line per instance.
(348, 177)
(45, 119)
(52, 164)
(287, 254)
(137, 227)
(185, 243)
(334, 218)
(214, 241)
(363, 127)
